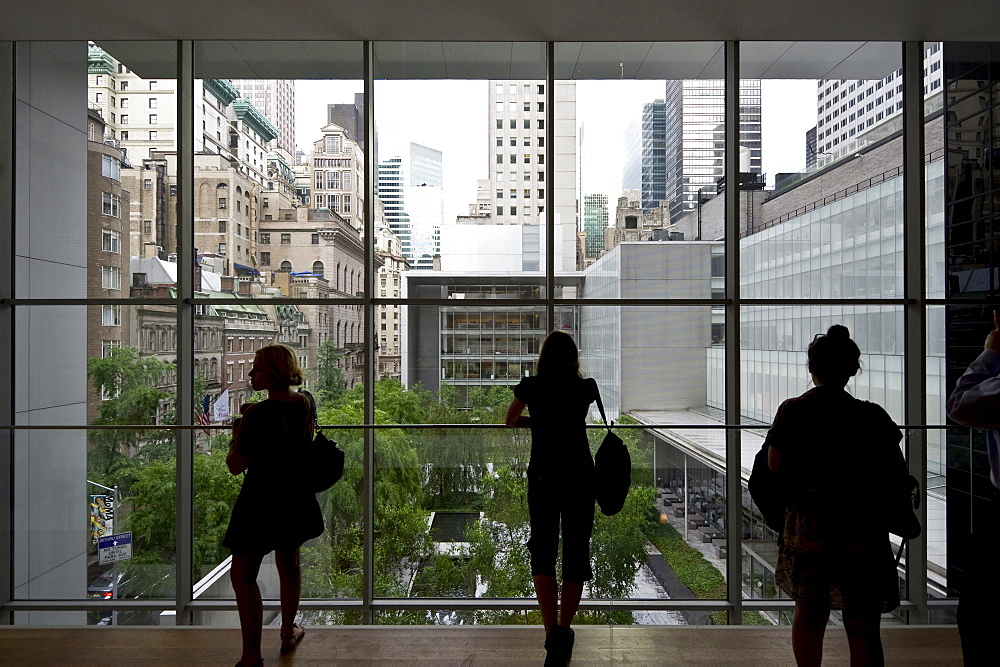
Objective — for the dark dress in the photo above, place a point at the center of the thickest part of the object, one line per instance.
(274, 510)
(835, 548)
(560, 474)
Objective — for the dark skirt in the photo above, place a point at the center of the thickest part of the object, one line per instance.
(271, 516)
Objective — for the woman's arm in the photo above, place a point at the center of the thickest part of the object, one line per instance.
(773, 459)
(235, 461)
(514, 416)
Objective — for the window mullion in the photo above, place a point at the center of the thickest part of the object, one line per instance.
(915, 313)
(734, 491)
(184, 503)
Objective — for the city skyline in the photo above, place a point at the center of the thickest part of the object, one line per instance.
(605, 107)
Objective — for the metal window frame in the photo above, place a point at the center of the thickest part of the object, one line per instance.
(914, 305)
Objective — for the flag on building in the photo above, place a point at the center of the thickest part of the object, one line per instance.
(201, 414)
(220, 409)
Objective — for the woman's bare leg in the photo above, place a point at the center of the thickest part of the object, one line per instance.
(571, 594)
(808, 629)
(243, 574)
(547, 591)
(863, 636)
(290, 578)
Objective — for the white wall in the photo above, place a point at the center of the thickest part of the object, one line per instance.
(50, 509)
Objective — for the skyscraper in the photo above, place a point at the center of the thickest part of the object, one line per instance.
(632, 171)
(595, 221)
(517, 158)
(276, 100)
(426, 166)
(391, 180)
(653, 161)
(852, 114)
(695, 138)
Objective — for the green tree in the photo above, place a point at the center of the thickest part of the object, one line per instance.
(153, 516)
(130, 384)
(328, 379)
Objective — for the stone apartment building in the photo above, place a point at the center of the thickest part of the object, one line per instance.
(389, 278)
(108, 326)
(318, 254)
(337, 175)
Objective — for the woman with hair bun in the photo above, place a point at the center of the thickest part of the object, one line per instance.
(274, 511)
(833, 452)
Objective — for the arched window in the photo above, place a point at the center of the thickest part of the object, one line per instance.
(318, 268)
(239, 190)
(286, 266)
(221, 186)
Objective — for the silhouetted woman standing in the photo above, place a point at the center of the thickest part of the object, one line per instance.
(560, 480)
(274, 511)
(835, 452)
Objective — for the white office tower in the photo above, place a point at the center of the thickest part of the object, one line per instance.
(517, 168)
(425, 208)
(276, 100)
(632, 171)
(853, 114)
(391, 181)
(414, 203)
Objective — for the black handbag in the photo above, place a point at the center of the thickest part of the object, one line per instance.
(768, 491)
(613, 470)
(323, 460)
(902, 500)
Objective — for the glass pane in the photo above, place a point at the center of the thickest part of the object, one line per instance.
(825, 218)
(649, 128)
(112, 377)
(970, 82)
(279, 173)
(86, 123)
(460, 181)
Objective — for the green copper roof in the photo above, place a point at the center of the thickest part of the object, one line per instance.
(222, 89)
(99, 61)
(250, 115)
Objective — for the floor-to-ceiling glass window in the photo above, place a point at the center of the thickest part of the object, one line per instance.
(437, 225)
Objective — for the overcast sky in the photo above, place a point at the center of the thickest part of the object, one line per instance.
(452, 116)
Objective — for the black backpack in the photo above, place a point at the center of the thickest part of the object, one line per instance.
(323, 460)
(613, 470)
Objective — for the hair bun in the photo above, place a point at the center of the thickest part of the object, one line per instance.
(838, 331)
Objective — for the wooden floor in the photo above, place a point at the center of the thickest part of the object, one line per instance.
(465, 645)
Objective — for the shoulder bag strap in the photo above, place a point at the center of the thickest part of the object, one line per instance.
(314, 418)
(600, 406)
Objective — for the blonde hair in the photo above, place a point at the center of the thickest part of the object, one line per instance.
(281, 361)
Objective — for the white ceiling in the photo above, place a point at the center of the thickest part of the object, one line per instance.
(503, 20)
(514, 60)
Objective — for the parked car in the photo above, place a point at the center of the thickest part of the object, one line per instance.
(103, 586)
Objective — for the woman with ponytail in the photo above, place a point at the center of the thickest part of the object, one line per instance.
(560, 483)
(834, 452)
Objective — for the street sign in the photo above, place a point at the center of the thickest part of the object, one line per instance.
(114, 548)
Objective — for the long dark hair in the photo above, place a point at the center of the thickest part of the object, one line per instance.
(559, 356)
(834, 358)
